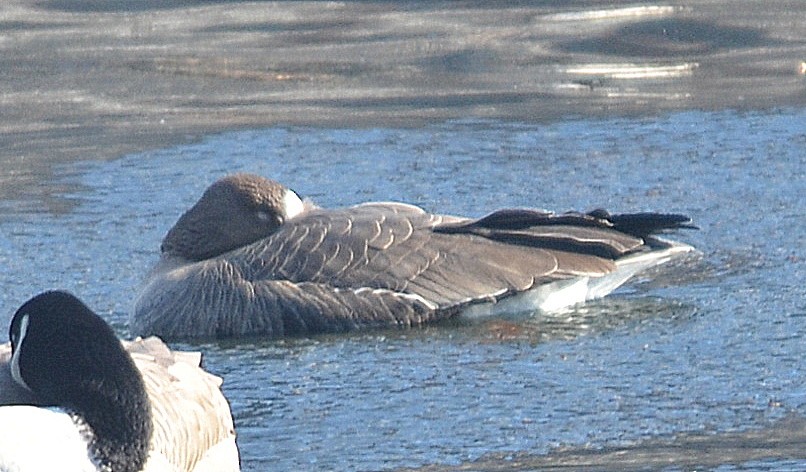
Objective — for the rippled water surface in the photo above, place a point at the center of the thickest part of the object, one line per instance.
(710, 345)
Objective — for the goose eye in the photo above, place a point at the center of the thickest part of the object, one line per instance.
(269, 217)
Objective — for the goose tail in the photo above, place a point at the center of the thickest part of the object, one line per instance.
(662, 251)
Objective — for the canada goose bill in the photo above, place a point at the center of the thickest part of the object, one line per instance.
(73, 397)
(252, 258)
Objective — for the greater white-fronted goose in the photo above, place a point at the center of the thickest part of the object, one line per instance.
(252, 258)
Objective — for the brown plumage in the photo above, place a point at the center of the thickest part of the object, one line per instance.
(284, 267)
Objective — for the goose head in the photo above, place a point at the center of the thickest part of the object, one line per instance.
(69, 358)
(234, 211)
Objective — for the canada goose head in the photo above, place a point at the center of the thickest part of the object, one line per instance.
(70, 358)
(234, 211)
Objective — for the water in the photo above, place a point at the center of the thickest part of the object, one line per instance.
(712, 345)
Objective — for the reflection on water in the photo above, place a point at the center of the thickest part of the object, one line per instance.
(592, 318)
(709, 346)
(754, 450)
(667, 38)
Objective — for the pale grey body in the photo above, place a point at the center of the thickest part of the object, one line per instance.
(251, 259)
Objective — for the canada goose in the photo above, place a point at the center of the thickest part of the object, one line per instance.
(137, 399)
(252, 258)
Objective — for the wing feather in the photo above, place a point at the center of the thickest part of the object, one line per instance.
(447, 261)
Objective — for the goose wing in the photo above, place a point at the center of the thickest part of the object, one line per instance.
(447, 261)
(193, 426)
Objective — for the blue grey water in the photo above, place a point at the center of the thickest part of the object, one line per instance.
(713, 344)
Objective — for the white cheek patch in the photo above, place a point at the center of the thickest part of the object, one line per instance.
(293, 204)
(15, 359)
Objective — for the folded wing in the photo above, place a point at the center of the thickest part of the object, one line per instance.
(447, 261)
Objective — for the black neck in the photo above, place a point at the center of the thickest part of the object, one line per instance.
(121, 427)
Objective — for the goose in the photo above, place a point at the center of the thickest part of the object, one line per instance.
(74, 397)
(251, 257)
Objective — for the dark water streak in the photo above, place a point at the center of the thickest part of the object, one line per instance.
(96, 79)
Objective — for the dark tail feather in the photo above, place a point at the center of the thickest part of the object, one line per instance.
(643, 225)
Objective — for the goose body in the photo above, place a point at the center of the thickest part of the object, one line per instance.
(21, 447)
(180, 408)
(252, 258)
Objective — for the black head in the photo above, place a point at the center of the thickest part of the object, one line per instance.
(69, 357)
